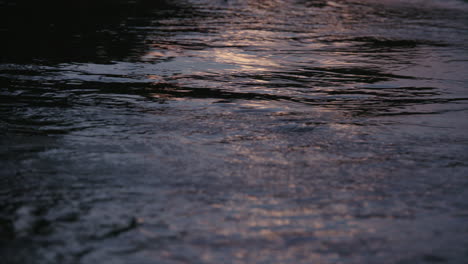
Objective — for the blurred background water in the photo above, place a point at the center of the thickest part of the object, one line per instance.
(234, 131)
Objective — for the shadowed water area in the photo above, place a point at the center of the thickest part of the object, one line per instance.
(234, 131)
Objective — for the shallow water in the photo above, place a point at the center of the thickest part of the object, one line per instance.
(212, 131)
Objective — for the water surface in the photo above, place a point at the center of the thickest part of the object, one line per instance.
(234, 131)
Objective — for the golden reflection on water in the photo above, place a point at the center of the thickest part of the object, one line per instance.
(245, 61)
(274, 224)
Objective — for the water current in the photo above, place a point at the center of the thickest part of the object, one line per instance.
(234, 131)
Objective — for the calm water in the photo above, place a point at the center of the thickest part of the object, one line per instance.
(234, 131)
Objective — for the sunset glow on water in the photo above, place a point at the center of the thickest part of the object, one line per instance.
(234, 131)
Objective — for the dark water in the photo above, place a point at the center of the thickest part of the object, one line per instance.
(223, 131)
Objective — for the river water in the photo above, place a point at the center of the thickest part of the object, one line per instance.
(234, 131)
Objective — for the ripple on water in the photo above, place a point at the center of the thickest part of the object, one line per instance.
(206, 131)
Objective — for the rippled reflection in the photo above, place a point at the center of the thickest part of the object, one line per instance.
(237, 131)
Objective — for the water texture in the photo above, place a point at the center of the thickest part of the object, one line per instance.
(234, 131)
